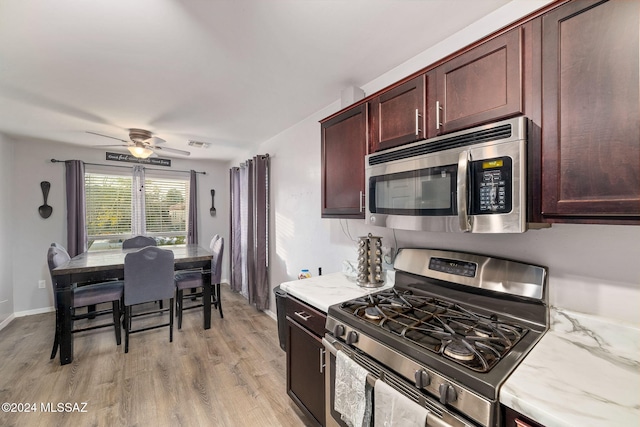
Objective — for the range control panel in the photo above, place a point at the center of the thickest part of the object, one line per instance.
(451, 266)
(491, 185)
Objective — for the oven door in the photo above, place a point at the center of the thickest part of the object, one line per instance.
(438, 415)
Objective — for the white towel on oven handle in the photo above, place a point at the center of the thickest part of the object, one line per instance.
(392, 408)
(353, 396)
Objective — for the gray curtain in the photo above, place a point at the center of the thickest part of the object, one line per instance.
(249, 230)
(76, 207)
(192, 233)
(138, 218)
(235, 235)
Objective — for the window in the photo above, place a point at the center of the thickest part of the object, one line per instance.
(166, 205)
(109, 212)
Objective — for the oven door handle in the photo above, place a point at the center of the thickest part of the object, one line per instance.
(332, 346)
(463, 191)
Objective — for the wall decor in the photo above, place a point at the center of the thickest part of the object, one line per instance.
(45, 210)
(157, 161)
(212, 211)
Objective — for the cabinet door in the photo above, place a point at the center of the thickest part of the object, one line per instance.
(515, 419)
(479, 86)
(305, 374)
(591, 130)
(344, 142)
(398, 116)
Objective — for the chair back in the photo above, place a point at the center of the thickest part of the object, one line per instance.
(139, 242)
(59, 246)
(148, 275)
(56, 256)
(217, 247)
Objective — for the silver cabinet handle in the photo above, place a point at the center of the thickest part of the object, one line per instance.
(304, 316)
(361, 201)
(438, 108)
(322, 362)
(418, 122)
(463, 166)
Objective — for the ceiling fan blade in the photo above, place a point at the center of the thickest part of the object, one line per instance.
(107, 136)
(154, 140)
(115, 145)
(170, 150)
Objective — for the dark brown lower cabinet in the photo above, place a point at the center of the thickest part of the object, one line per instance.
(515, 419)
(305, 359)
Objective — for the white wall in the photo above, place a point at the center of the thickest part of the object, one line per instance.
(593, 269)
(33, 234)
(6, 235)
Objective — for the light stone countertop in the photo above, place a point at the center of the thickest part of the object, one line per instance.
(323, 291)
(585, 371)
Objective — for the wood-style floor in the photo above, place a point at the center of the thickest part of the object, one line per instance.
(231, 375)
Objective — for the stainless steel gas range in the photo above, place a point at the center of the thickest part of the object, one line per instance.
(447, 335)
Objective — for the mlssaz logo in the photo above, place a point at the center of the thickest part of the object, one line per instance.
(63, 407)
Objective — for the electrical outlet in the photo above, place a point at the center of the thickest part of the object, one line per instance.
(42, 284)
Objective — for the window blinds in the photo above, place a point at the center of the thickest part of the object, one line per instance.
(108, 198)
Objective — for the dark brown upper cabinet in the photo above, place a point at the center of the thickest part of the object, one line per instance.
(479, 86)
(398, 115)
(344, 145)
(590, 111)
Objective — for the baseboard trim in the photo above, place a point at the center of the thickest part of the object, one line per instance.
(271, 314)
(7, 321)
(35, 311)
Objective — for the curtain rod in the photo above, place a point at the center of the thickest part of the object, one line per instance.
(121, 166)
(246, 162)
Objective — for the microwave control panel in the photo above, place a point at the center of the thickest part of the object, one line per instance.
(491, 186)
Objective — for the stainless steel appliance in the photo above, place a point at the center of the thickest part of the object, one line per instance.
(447, 335)
(469, 181)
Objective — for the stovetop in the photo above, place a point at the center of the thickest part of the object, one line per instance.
(473, 340)
(468, 317)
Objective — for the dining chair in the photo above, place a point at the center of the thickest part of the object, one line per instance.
(148, 277)
(193, 280)
(139, 242)
(85, 296)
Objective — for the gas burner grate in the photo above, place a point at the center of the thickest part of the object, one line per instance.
(475, 341)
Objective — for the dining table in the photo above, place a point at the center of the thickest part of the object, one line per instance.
(105, 265)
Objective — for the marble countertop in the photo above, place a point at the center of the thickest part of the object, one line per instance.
(323, 291)
(585, 371)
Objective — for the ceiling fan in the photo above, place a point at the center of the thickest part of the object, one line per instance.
(142, 143)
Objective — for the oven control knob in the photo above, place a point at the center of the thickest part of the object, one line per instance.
(338, 330)
(422, 378)
(447, 394)
(352, 337)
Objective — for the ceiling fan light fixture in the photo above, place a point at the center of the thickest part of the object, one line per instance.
(140, 152)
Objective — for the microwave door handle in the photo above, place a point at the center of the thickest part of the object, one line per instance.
(462, 196)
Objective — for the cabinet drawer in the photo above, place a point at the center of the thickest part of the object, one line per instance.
(305, 315)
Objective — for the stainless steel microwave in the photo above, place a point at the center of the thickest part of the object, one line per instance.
(468, 181)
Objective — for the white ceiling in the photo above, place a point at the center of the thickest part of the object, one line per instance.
(232, 73)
